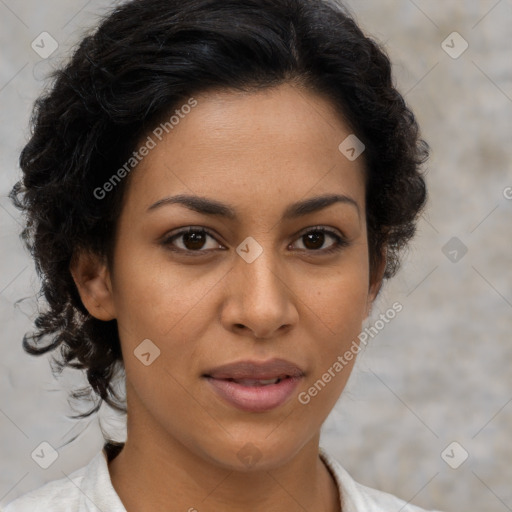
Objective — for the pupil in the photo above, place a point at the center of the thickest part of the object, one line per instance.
(315, 236)
(194, 238)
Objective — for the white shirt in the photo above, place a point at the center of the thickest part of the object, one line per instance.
(89, 489)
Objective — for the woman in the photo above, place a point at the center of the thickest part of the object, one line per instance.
(215, 192)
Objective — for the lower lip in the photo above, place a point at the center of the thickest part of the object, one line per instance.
(255, 398)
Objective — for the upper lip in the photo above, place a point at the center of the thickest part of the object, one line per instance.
(271, 369)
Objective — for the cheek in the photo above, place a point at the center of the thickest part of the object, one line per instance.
(156, 298)
(339, 303)
(157, 301)
(340, 308)
(339, 298)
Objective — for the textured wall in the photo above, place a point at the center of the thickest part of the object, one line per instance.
(440, 371)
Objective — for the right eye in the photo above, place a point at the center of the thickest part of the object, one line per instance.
(193, 239)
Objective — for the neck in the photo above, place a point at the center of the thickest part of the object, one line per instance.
(152, 473)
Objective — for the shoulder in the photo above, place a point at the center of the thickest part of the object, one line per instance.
(86, 489)
(360, 498)
(61, 495)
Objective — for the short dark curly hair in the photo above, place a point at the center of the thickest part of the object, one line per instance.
(146, 58)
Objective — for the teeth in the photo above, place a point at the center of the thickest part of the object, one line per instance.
(254, 382)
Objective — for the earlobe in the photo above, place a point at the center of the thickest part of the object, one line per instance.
(92, 280)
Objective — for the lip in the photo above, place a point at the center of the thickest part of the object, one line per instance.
(255, 370)
(255, 398)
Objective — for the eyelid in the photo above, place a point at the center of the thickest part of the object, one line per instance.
(341, 240)
(323, 228)
(175, 234)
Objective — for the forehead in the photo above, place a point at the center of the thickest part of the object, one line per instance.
(267, 147)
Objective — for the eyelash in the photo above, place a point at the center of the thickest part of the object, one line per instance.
(340, 242)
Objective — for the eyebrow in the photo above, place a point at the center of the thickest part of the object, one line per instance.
(208, 206)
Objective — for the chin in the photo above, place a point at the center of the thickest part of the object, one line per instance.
(251, 453)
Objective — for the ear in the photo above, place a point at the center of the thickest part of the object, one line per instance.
(92, 280)
(376, 283)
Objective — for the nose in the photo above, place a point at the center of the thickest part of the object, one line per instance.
(260, 301)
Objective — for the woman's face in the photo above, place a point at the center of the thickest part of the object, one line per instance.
(260, 284)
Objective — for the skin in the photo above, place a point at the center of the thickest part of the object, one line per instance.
(292, 302)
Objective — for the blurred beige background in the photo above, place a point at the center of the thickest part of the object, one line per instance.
(440, 372)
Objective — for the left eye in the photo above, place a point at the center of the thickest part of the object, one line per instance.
(193, 240)
(316, 236)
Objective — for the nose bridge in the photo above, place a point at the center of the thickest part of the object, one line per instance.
(261, 298)
(260, 267)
